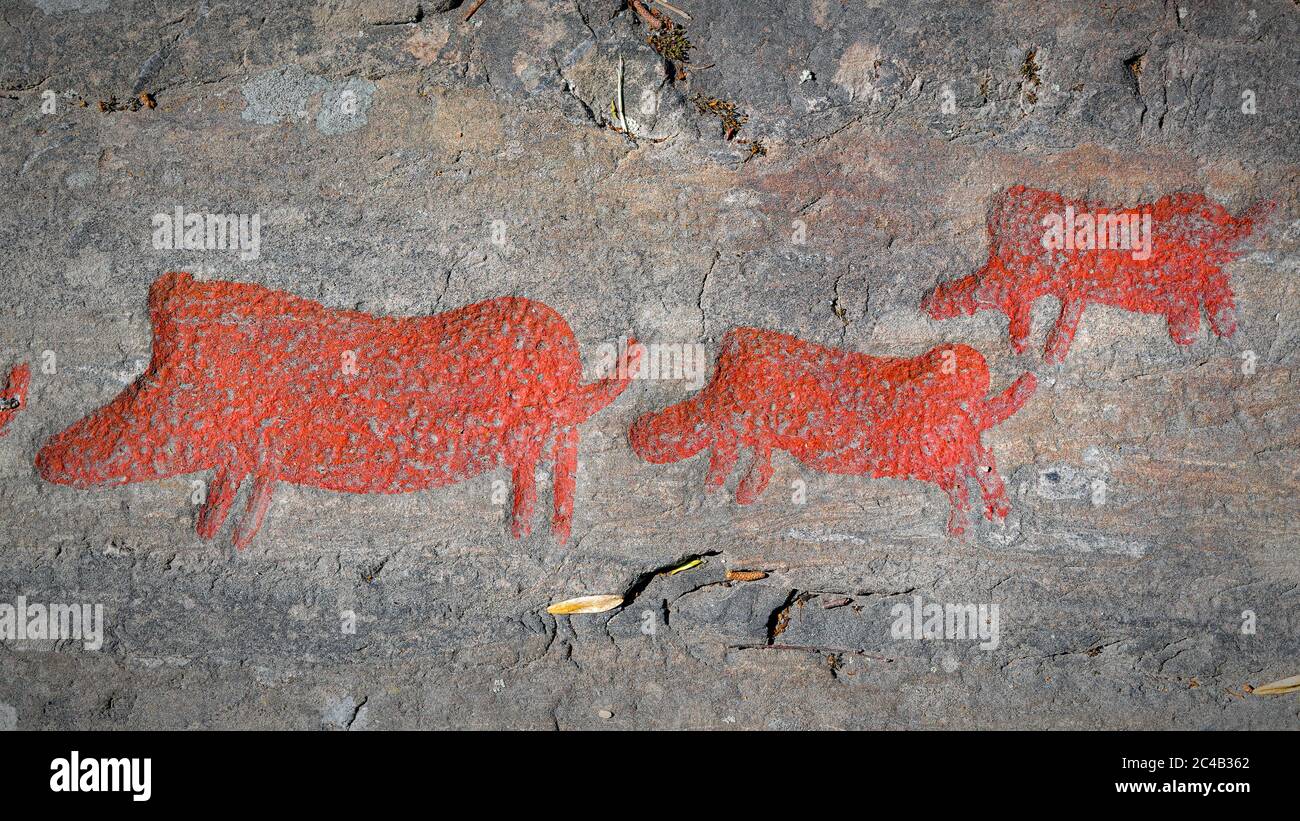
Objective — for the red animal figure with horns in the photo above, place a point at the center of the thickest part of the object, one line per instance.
(1164, 257)
(841, 412)
(258, 383)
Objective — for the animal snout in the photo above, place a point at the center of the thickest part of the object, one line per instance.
(648, 440)
(667, 436)
(53, 467)
(938, 306)
(81, 457)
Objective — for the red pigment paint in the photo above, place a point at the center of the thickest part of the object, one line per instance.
(14, 396)
(841, 412)
(1190, 240)
(263, 384)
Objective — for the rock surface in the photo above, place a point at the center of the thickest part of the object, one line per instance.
(405, 162)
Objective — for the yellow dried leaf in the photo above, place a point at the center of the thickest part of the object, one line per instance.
(745, 575)
(1279, 687)
(584, 604)
(687, 566)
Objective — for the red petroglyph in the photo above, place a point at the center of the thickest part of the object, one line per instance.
(1189, 239)
(254, 382)
(14, 396)
(841, 412)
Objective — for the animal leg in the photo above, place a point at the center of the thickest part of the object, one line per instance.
(523, 477)
(721, 462)
(1184, 322)
(565, 457)
(220, 498)
(954, 484)
(259, 501)
(1058, 341)
(760, 471)
(1018, 325)
(993, 492)
(1220, 309)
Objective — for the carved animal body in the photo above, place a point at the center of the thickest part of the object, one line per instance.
(841, 412)
(1190, 238)
(256, 382)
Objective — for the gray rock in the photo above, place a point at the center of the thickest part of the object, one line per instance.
(404, 162)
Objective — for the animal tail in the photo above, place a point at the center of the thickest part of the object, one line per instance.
(998, 409)
(1249, 220)
(591, 399)
(1259, 212)
(14, 396)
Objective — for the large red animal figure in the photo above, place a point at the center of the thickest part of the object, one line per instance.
(256, 382)
(1164, 257)
(841, 412)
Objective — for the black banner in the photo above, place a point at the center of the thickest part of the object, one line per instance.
(581, 771)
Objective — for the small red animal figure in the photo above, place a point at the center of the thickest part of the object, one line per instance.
(14, 396)
(841, 412)
(1164, 257)
(256, 382)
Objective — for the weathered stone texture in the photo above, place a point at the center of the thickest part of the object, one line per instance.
(1154, 488)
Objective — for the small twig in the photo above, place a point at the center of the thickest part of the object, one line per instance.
(652, 19)
(472, 9)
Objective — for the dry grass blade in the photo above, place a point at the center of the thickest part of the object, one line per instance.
(1279, 687)
(687, 566)
(674, 10)
(584, 604)
(622, 116)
